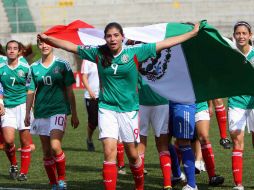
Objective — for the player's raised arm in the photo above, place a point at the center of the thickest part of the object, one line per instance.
(172, 41)
(58, 43)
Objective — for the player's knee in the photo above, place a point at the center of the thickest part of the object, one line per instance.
(92, 125)
(203, 139)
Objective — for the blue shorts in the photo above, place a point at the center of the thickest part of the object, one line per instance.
(182, 120)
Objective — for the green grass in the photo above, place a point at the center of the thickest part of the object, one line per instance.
(84, 168)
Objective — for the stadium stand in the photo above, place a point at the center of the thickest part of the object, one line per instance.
(19, 16)
(4, 24)
(221, 14)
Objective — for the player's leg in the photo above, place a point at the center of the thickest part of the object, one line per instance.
(237, 122)
(221, 116)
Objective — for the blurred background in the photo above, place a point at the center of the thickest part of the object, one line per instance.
(23, 19)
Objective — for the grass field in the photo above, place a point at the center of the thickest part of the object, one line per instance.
(84, 168)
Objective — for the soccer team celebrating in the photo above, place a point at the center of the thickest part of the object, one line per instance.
(36, 99)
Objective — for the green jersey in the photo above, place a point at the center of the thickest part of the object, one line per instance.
(244, 101)
(119, 90)
(14, 82)
(201, 106)
(50, 84)
(3, 59)
(148, 97)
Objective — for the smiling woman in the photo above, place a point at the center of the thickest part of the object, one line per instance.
(14, 77)
(118, 99)
(52, 79)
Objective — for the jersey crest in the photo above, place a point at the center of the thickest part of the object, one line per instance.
(125, 58)
(155, 68)
(21, 73)
(56, 70)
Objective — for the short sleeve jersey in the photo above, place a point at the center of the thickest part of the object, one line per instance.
(148, 97)
(201, 106)
(3, 59)
(119, 81)
(90, 69)
(244, 101)
(22, 59)
(14, 82)
(50, 84)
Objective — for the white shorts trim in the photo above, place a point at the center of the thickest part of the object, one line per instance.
(157, 116)
(202, 116)
(14, 117)
(239, 118)
(43, 126)
(118, 125)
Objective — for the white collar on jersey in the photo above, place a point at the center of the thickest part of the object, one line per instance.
(249, 51)
(54, 58)
(118, 53)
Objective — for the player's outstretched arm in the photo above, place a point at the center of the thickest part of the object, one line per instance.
(29, 103)
(72, 101)
(58, 43)
(172, 41)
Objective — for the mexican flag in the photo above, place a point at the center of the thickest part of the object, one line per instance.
(205, 67)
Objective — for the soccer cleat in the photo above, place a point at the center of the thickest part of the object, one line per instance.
(199, 166)
(178, 180)
(90, 146)
(121, 170)
(62, 185)
(216, 180)
(167, 188)
(145, 172)
(225, 142)
(13, 171)
(22, 177)
(187, 187)
(54, 187)
(240, 187)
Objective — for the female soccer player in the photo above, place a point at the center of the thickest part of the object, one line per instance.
(14, 77)
(51, 79)
(118, 100)
(241, 108)
(202, 119)
(154, 112)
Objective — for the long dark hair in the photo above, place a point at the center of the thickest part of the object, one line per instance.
(107, 55)
(2, 52)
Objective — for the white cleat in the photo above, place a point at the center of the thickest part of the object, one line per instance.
(187, 187)
(240, 187)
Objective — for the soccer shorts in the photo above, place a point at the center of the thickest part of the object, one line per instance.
(92, 111)
(157, 116)
(114, 124)
(239, 118)
(43, 126)
(14, 117)
(202, 115)
(182, 120)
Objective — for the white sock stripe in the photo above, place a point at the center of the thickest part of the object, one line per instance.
(137, 165)
(220, 106)
(164, 153)
(204, 146)
(109, 163)
(58, 159)
(239, 154)
(26, 150)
